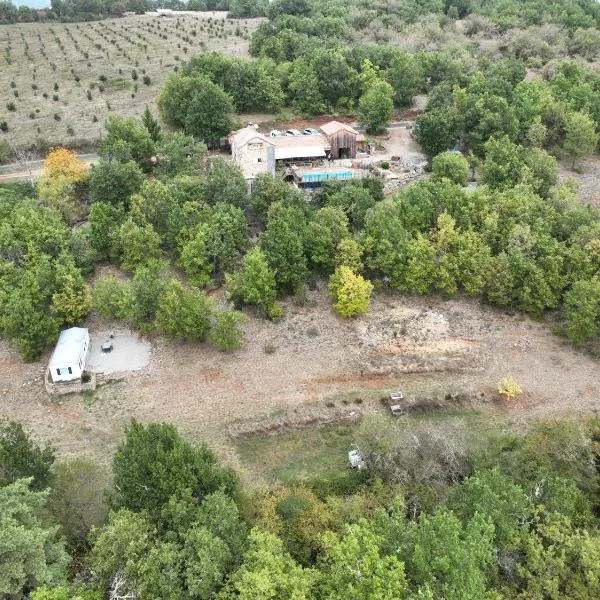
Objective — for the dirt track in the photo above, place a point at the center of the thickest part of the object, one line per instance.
(425, 345)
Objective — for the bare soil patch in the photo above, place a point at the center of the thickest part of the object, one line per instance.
(588, 179)
(428, 347)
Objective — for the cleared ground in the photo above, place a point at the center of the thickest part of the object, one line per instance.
(314, 367)
(89, 69)
(129, 353)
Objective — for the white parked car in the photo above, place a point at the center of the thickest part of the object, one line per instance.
(311, 131)
(293, 132)
(275, 133)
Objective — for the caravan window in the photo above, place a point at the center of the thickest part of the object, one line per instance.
(70, 371)
(58, 371)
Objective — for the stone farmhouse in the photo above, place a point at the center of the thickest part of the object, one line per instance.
(258, 153)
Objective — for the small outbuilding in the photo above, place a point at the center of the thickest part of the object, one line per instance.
(70, 355)
(341, 138)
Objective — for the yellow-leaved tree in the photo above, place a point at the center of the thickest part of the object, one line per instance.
(351, 292)
(62, 162)
(509, 388)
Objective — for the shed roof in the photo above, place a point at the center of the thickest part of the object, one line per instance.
(247, 134)
(300, 146)
(333, 127)
(68, 348)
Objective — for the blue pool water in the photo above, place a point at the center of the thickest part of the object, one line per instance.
(314, 177)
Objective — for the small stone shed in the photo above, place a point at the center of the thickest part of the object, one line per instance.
(69, 357)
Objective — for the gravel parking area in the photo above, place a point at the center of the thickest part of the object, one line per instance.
(129, 353)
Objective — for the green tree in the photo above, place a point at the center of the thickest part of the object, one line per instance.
(118, 547)
(139, 245)
(580, 136)
(349, 254)
(27, 322)
(303, 89)
(582, 309)
(452, 165)
(436, 130)
(112, 298)
(353, 567)
(114, 182)
(147, 288)
(105, 220)
(255, 283)
(493, 495)
(446, 558)
(59, 193)
(71, 301)
(328, 227)
(194, 257)
(184, 313)
(376, 106)
(266, 190)
(207, 114)
(268, 572)
(351, 293)
(130, 133)
(560, 561)
(226, 330)
(283, 245)
(31, 553)
(405, 74)
(77, 500)
(225, 183)
(155, 463)
(21, 457)
(150, 122)
(152, 204)
(354, 200)
(225, 236)
(178, 154)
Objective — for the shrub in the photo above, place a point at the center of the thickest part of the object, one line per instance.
(56, 117)
(3, 126)
(55, 97)
(452, 165)
(385, 165)
(146, 79)
(11, 107)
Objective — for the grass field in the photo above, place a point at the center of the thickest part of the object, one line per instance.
(312, 452)
(59, 82)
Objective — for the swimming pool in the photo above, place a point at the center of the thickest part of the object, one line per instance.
(316, 177)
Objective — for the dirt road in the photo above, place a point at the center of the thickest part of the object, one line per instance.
(12, 172)
(424, 345)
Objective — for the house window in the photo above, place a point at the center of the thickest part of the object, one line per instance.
(259, 160)
(255, 146)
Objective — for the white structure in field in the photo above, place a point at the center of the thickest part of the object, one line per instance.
(69, 356)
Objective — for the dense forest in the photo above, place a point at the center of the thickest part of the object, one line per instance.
(440, 511)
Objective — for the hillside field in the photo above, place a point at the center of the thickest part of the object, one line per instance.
(60, 81)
